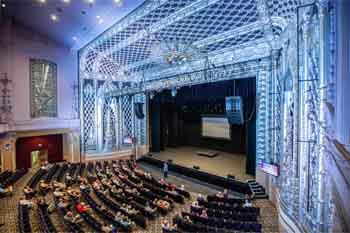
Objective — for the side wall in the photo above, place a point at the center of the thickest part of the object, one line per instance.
(17, 45)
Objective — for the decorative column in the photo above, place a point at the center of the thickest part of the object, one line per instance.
(303, 129)
(99, 116)
(115, 109)
(108, 134)
(321, 217)
(262, 142)
(275, 107)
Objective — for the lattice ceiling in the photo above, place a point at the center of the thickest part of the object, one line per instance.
(210, 25)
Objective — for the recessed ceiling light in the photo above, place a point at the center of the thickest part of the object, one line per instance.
(41, 1)
(100, 21)
(75, 38)
(98, 17)
(119, 2)
(53, 17)
(3, 5)
(66, 1)
(91, 1)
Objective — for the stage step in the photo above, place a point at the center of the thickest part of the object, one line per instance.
(257, 189)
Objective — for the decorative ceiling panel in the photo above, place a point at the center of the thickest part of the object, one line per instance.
(159, 13)
(282, 8)
(234, 41)
(217, 18)
(133, 53)
(206, 25)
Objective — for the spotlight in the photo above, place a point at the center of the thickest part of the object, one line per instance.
(53, 17)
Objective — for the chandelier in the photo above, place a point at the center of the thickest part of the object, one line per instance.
(174, 53)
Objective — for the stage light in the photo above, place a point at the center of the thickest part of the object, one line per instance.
(53, 17)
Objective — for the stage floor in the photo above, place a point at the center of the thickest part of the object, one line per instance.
(224, 163)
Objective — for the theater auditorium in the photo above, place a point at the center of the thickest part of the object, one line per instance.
(174, 116)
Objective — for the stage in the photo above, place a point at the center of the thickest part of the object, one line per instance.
(221, 165)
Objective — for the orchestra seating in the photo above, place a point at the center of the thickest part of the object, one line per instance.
(122, 187)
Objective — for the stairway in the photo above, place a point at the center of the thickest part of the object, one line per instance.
(257, 190)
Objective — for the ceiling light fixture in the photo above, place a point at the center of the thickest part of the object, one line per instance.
(66, 1)
(74, 38)
(3, 5)
(53, 17)
(91, 1)
(100, 21)
(98, 17)
(118, 2)
(42, 1)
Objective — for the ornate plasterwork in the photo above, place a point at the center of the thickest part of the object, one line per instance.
(126, 46)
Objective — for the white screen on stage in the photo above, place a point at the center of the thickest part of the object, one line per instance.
(216, 127)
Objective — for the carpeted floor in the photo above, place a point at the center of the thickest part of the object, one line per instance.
(224, 163)
(8, 207)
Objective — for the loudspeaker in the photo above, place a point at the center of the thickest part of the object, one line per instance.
(139, 110)
(234, 110)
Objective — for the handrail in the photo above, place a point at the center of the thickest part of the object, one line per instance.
(341, 148)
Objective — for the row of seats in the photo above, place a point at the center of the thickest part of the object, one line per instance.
(45, 221)
(104, 213)
(224, 223)
(228, 208)
(73, 227)
(230, 215)
(220, 181)
(8, 178)
(34, 180)
(51, 172)
(138, 219)
(150, 192)
(90, 220)
(23, 219)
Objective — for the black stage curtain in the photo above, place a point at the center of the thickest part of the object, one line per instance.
(176, 121)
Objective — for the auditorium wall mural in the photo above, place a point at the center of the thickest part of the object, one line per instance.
(293, 85)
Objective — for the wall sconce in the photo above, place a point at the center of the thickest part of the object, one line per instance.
(7, 146)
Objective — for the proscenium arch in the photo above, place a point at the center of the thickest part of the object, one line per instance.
(261, 69)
